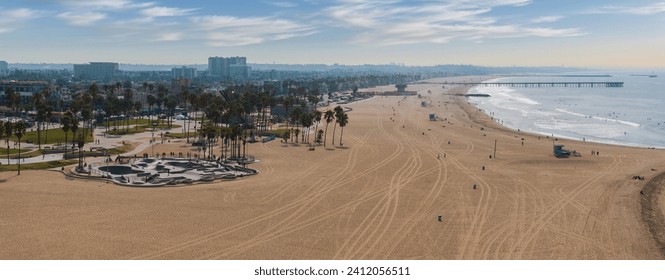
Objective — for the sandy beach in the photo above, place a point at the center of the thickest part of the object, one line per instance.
(402, 187)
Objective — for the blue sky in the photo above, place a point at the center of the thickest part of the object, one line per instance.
(483, 32)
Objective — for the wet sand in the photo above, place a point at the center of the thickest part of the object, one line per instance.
(378, 197)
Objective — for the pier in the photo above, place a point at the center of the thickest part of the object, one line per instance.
(542, 84)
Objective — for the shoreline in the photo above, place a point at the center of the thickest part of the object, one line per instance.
(652, 213)
(651, 201)
(598, 140)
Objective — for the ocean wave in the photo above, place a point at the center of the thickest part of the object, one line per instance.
(598, 118)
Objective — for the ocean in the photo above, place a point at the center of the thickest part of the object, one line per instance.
(633, 115)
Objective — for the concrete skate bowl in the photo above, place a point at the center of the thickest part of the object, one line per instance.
(119, 170)
(170, 172)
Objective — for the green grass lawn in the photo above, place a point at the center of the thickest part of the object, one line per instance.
(3, 151)
(38, 166)
(55, 135)
(165, 125)
(132, 130)
(123, 123)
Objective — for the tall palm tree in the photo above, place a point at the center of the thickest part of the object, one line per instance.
(19, 131)
(9, 130)
(171, 103)
(185, 98)
(80, 139)
(66, 126)
(40, 106)
(74, 127)
(338, 112)
(129, 105)
(151, 101)
(343, 120)
(316, 117)
(329, 116)
(2, 131)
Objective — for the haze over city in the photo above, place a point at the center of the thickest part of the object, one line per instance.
(614, 34)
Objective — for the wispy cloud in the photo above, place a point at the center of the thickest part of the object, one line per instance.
(394, 22)
(82, 18)
(546, 19)
(166, 12)
(12, 19)
(281, 4)
(652, 9)
(106, 4)
(169, 36)
(236, 31)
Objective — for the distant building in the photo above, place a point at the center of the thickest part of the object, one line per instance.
(4, 68)
(178, 84)
(96, 70)
(183, 72)
(24, 88)
(234, 68)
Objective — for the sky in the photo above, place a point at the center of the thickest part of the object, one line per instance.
(572, 33)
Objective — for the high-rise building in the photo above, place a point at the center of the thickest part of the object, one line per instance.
(234, 68)
(96, 70)
(3, 67)
(183, 72)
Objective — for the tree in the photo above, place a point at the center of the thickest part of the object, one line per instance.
(40, 106)
(128, 105)
(9, 131)
(12, 98)
(66, 126)
(2, 133)
(338, 113)
(80, 139)
(137, 109)
(329, 116)
(151, 101)
(316, 117)
(319, 136)
(210, 132)
(343, 120)
(74, 127)
(19, 131)
(170, 104)
(295, 117)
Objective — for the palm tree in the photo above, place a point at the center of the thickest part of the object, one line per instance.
(170, 104)
(38, 102)
(66, 126)
(127, 100)
(295, 116)
(343, 120)
(80, 139)
(338, 113)
(74, 128)
(210, 132)
(306, 121)
(329, 116)
(2, 131)
(151, 101)
(137, 109)
(19, 131)
(316, 117)
(194, 103)
(9, 130)
(185, 98)
(12, 98)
